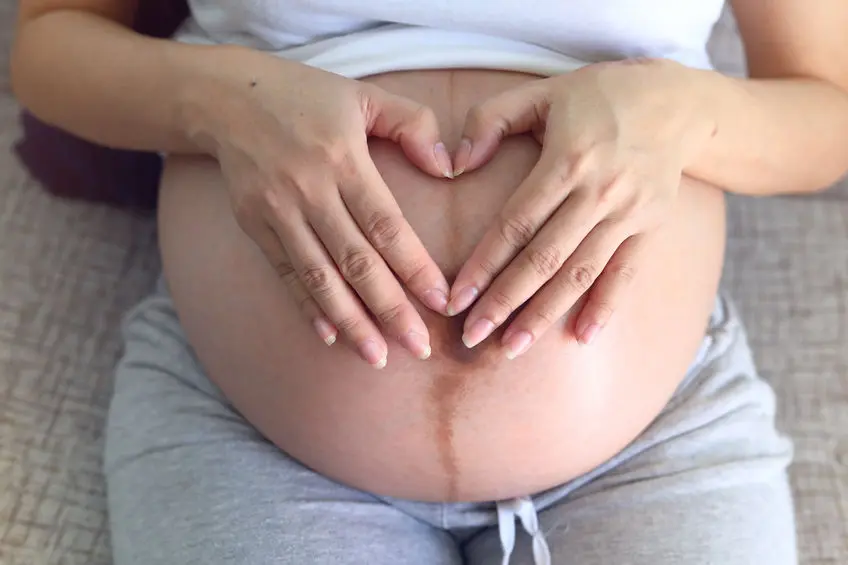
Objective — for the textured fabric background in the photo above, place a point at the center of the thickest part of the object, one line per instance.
(69, 270)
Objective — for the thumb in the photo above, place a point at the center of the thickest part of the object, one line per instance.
(411, 125)
(516, 111)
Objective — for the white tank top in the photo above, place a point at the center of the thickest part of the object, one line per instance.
(357, 38)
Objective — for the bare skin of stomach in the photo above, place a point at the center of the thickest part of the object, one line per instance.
(463, 425)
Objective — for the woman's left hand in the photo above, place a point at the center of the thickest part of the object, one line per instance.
(615, 139)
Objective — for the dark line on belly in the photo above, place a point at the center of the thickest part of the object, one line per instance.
(448, 386)
(457, 364)
(446, 390)
(460, 368)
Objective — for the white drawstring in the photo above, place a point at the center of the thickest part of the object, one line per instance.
(523, 509)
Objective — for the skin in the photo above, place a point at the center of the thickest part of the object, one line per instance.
(446, 429)
(577, 224)
(302, 184)
(467, 424)
(781, 131)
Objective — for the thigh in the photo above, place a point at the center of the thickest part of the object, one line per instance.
(190, 482)
(705, 484)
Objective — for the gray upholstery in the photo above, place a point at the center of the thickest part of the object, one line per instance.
(68, 271)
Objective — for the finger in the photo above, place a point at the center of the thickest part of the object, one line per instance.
(334, 297)
(365, 271)
(411, 125)
(515, 111)
(523, 215)
(570, 229)
(562, 292)
(609, 290)
(272, 248)
(375, 210)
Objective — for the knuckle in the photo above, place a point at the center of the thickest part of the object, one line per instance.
(423, 116)
(245, 204)
(389, 315)
(545, 316)
(304, 186)
(546, 260)
(631, 207)
(584, 150)
(503, 303)
(490, 268)
(334, 150)
(347, 325)
(515, 231)
(624, 272)
(345, 166)
(315, 199)
(580, 163)
(357, 265)
(611, 191)
(564, 171)
(332, 154)
(478, 115)
(580, 277)
(416, 270)
(284, 269)
(318, 280)
(272, 199)
(383, 231)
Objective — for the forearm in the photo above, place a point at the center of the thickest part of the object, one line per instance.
(771, 136)
(105, 83)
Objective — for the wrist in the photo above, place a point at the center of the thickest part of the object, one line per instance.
(213, 82)
(694, 102)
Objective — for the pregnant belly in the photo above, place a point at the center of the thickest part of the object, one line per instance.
(463, 425)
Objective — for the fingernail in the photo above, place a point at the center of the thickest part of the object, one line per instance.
(373, 353)
(463, 155)
(479, 330)
(325, 330)
(436, 300)
(517, 344)
(443, 160)
(418, 344)
(589, 334)
(463, 299)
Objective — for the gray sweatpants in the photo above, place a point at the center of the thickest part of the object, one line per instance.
(191, 482)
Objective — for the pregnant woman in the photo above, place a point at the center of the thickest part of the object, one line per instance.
(513, 210)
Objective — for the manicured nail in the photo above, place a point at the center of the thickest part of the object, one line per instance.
(325, 330)
(479, 330)
(373, 353)
(436, 300)
(589, 334)
(443, 160)
(517, 344)
(463, 299)
(417, 343)
(463, 155)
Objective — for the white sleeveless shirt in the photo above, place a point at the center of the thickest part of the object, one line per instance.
(357, 38)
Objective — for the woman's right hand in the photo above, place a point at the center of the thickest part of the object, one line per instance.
(291, 141)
